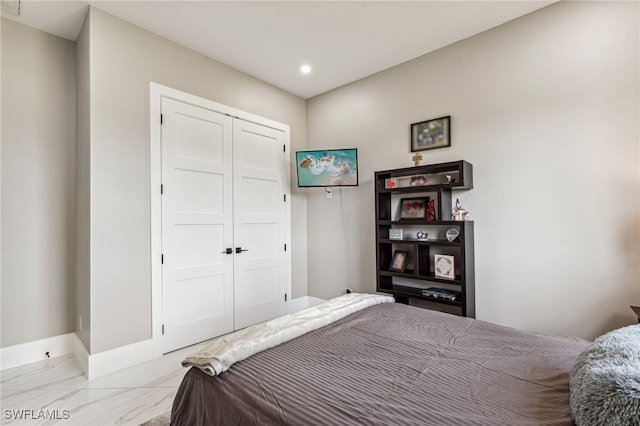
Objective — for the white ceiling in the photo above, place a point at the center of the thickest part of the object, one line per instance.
(342, 41)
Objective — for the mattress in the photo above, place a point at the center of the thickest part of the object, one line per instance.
(391, 364)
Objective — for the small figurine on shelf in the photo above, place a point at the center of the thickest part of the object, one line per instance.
(390, 183)
(458, 212)
(431, 211)
(422, 235)
(450, 180)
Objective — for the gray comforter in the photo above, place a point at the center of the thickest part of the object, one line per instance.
(391, 364)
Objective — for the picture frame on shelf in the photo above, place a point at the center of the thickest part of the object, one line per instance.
(418, 180)
(399, 260)
(413, 208)
(431, 134)
(444, 266)
(452, 234)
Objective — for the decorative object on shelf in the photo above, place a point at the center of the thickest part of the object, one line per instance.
(416, 159)
(413, 208)
(391, 183)
(452, 233)
(450, 180)
(399, 259)
(398, 182)
(458, 212)
(430, 134)
(444, 265)
(418, 180)
(441, 293)
(422, 235)
(431, 211)
(395, 234)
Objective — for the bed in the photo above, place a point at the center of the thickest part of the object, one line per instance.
(386, 364)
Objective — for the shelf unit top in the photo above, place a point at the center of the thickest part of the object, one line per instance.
(427, 242)
(426, 222)
(462, 167)
(428, 168)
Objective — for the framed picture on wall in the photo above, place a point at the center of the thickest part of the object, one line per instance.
(431, 134)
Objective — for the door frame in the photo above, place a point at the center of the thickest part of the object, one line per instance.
(156, 93)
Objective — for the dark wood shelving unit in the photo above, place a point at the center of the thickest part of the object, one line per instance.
(441, 180)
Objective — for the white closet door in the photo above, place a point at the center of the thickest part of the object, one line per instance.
(259, 223)
(197, 224)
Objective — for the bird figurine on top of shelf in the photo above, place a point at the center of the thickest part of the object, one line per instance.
(459, 212)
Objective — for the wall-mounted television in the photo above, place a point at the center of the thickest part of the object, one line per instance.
(328, 167)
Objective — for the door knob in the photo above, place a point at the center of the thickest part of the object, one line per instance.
(240, 250)
(229, 250)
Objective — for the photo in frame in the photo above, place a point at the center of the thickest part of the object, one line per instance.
(399, 261)
(413, 208)
(418, 180)
(431, 134)
(444, 266)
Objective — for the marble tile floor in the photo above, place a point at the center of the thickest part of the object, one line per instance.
(58, 387)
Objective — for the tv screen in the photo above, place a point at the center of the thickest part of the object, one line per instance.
(329, 167)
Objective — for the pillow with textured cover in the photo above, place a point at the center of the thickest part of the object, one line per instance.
(605, 380)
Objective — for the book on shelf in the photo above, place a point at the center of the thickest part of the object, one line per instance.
(441, 293)
(395, 234)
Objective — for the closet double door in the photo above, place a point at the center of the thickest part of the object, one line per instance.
(223, 223)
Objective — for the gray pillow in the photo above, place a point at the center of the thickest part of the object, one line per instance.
(605, 380)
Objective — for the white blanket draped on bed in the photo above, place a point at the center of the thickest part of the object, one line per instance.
(217, 356)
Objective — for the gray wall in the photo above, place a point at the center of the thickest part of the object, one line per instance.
(83, 192)
(123, 60)
(546, 109)
(38, 184)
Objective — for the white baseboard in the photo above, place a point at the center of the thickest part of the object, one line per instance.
(119, 358)
(26, 353)
(295, 305)
(313, 301)
(106, 362)
(93, 365)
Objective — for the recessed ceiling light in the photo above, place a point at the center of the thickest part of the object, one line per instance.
(305, 69)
